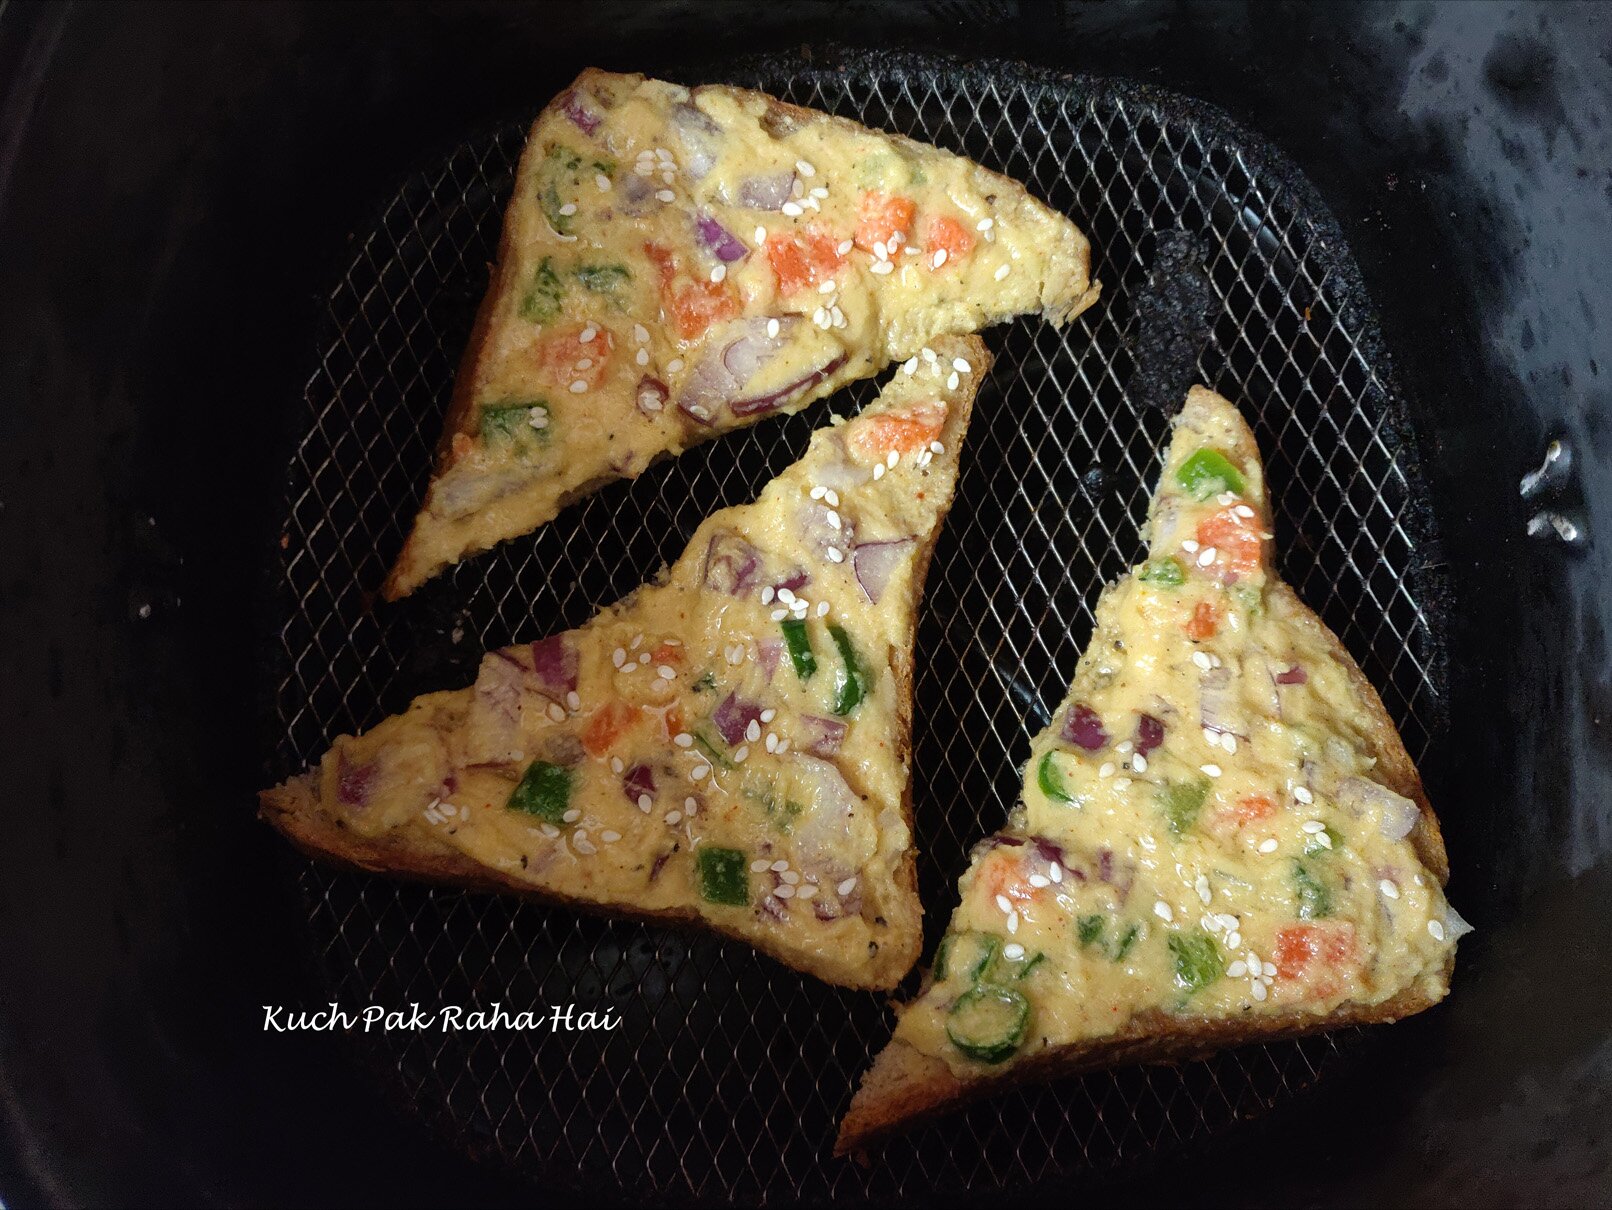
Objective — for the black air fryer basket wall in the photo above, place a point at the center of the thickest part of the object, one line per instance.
(198, 208)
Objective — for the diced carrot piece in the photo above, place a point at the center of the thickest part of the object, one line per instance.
(1236, 541)
(1300, 945)
(665, 261)
(880, 216)
(700, 304)
(945, 234)
(1253, 806)
(803, 259)
(1005, 873)
(1204, 622)
(668, 653)
(873, 438)
(567, 358)
(673, 719)
(609, 723)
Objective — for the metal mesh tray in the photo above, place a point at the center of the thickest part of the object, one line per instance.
(728, 1074)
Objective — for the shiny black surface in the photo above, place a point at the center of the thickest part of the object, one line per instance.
(175, 185)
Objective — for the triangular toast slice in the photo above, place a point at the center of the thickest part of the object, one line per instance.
(1221, 838)
(727, 747)
(677, 263)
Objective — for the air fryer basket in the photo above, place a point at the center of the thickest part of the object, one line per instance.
(728, 1073)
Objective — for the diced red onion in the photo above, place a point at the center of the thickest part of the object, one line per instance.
(1216, 708)
(795, 580)
(733, 717)
(998, 841)
(698, 132)
(876, 562)
(354, 783)
(1293, 676)
(766, 192)
(726, 367)
(1050, 851)
(768, 654)
(723, 243)
(1117, 874)
(1083, 728)
(554, 660)
(1397, 815)
(757, 404)
(638, 781)
(823, 735)
(638, 194)
(819, 534)
(773, 905)
(1149, 734)
(731, 564)
(580, 112)
(1455, 927)
(651, 395)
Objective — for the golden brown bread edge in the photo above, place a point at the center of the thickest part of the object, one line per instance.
(292, 809)
(403, 577)
(905, 1086)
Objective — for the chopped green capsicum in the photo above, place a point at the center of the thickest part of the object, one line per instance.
(543, 297)
(965, 953)
(1197, 960)
(603, 279)
(544, 791)
(988, 1023)
(560, 167)
(850, 684)
(1315, 900)
(1051, 776)
(1182, 801)
(709, 746)
(799, 644)
(1208, 473)
(724, 875)
(510, 424)
(1165, 571)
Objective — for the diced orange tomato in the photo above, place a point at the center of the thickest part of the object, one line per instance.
(694, 304)
(1006, 873)
(880, 216)
(609, 723)
(803, 259)
(945, 234)
(1236, 541)
(873, 438)
(1316, 954)
(567, 358)
(1204, 622)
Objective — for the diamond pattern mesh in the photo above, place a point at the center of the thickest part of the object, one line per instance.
(728, 1074)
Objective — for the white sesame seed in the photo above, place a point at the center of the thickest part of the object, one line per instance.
(827, 287)
(790, 877)
(786, 596)
(1121, 784)
(674, 365)
(1001, 272)
(752, 731)
(1189, 545)
(1210, 770)
(759, 865)
(834, 518)
(683, 739)
(1003, 905)
(939, 258)
(691, 804)
(1259, 990)
(640, 333)
(936, 447)
(1202, 661)
(881, 267)
(1163, 912)
(665, 672)
(761, 235)
(573, 699)
(822, 606)
(718, 273)
(846, 887)
(665, 195)
(1139, 763)
(699, 772)
(792, 209)
(837, 315)
(740, 753)
(821, 318)
(578, 387)
(1206, 556)
(772, 328)
(616, 766)
(952, 380)
(1039, 880)
(603, 182)
(1388, 889)
(1228, 741)
(819, 192)
(778, 615)
(550, 830)
(831, 497)
(610, 837)
(1243, 511)
(1202, 887)
(1237, 969)
(538, 418)
(1013, 922)
(892, 458)
(556, 712)
(1107, 769)
(643, 657)
(585, 363)
(1055, 872)
(784, 892)
(587, 334)
(568, 209)
(1303, 795)
(806, 892)
(1268, 845)
(673, 818)
(878, 471)
(835, 555)
(642, 357)
(572, 815)
(805, 168)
